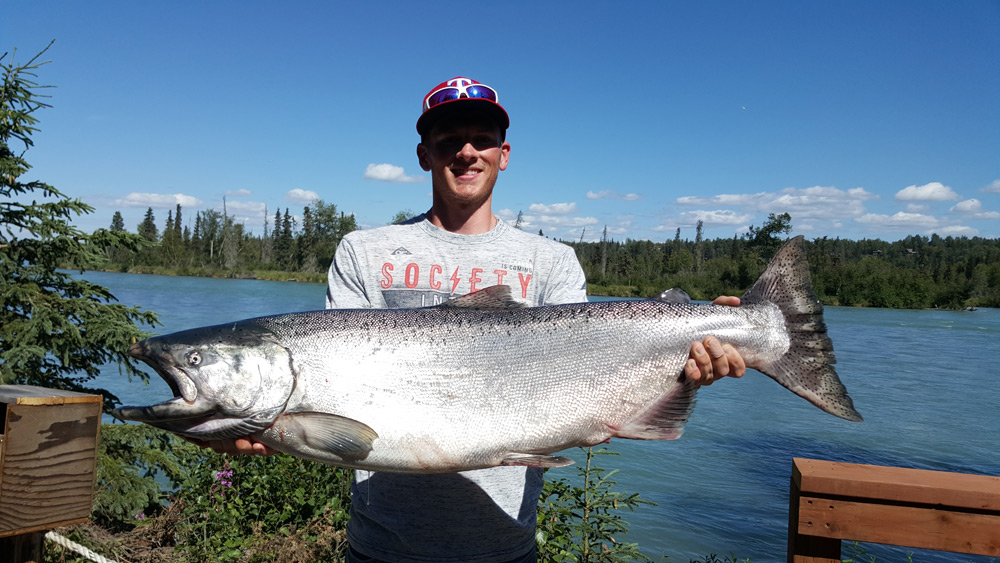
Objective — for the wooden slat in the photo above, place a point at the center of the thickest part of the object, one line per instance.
(33, 395)
(907, 526)
(880, 483)
(803, 548)
(42, 528)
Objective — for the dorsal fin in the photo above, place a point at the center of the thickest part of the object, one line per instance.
(495, 297)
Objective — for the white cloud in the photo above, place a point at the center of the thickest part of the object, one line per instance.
(934, 191)
(553, 209)
(238, 193)
(715, 217)
(301, 196)
(389, 173)
(973, 208)
(506, 214)
(611, 194)
(955, 231)
(992, 187)
(754, 200)
(900, 221)
(550, 223)
(915, 208)
(157, 201)
(248, 209)
(820, 203)
(968, 206)
(562, 221)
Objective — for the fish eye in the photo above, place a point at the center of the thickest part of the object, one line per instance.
(193, 358)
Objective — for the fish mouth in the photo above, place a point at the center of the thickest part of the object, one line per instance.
(183, 405)
(179, 381)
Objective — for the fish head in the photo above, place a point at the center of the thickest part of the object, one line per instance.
(228, 380)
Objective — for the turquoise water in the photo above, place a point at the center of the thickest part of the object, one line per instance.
(925, 381)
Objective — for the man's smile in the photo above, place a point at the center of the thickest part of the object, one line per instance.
(465, 173)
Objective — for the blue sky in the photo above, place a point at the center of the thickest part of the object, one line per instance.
(860, 119)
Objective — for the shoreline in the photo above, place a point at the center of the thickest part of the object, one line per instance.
(286, 276)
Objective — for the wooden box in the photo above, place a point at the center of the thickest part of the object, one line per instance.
(48, 457)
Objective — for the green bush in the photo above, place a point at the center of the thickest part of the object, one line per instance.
(579, 522)
(217, 508)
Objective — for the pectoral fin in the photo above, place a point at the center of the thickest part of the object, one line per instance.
(536, 460)
(344, 437)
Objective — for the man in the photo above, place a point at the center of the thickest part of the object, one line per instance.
(457, 247)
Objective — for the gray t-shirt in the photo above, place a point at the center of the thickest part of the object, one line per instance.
(487, 515)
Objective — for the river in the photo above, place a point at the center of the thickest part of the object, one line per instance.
(925, 381)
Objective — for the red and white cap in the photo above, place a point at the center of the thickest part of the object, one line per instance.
(445, 97)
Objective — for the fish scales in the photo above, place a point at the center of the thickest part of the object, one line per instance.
(482, 381)
(499, 368)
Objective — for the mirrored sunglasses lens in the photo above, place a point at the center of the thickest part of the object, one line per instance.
(442, 96)
(481, 91)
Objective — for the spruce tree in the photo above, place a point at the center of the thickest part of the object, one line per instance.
(148, 226)
(55, 330)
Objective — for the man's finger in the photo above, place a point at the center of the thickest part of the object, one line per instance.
(703, 364)
(717, 353)
(737, 366)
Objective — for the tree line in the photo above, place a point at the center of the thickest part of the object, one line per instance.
(913, 272)
(217, 243)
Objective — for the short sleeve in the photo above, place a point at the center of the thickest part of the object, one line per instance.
(567, 282)
(345, 285)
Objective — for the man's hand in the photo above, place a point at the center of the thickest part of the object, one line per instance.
(239, 446)
(711, 359)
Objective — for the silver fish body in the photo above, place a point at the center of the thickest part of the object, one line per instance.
(480, 381)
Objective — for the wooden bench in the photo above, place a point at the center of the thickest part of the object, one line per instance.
(916, 508)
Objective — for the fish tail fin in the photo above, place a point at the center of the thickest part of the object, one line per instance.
(806, 368)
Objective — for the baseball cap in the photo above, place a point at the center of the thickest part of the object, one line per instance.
(460, 93)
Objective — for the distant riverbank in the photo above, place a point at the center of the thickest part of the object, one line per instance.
(593, 290)
(313, 277)
(265, 275)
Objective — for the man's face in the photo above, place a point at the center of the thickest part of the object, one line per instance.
(464, 157)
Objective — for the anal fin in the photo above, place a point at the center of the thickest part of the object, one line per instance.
(536, 460)
(665, 420)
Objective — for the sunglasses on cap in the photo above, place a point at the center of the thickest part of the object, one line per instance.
(449, 93)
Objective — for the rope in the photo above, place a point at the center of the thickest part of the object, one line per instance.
(73, 546)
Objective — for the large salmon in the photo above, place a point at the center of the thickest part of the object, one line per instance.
(480, 381)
